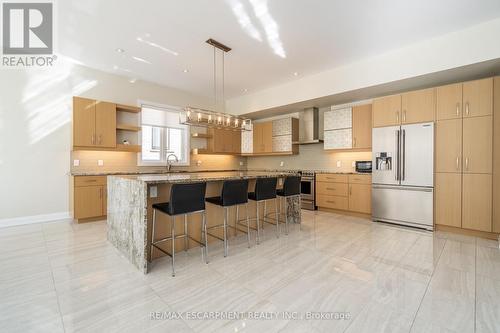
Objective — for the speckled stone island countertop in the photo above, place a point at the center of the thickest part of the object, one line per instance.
(193, 177)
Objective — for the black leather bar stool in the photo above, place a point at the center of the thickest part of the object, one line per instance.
(184, 199)
(265, 189)
(234, 193)
(291, 188)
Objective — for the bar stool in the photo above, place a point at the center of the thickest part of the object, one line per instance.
(265, 189)
(291, 189)
(185, 199)
(234, 193)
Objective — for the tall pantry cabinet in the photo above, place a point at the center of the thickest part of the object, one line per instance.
(464, 155)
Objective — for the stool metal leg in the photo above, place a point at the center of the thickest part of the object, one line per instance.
(153, 234)
(236, 220)
(225, 232)
(248, 225)
(258, 222)
(204, 226)
(286, 216)
(186, 240)
(277, 218)
(172, 230)
(265, 212)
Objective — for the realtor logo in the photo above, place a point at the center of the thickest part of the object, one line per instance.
(27, 28)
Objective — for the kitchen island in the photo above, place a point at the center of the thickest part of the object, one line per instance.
(130, 200)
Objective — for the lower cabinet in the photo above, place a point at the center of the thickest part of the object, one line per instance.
(477, 202)
(464, 201)
(90, 197)
(344, 192)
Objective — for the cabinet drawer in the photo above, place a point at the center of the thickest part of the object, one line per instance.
(332, 201)
(339, 189)
(360, 179)
(331, 178)
(90, 181)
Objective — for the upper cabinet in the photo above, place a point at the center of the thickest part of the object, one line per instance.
(94, 123)
(226, 141)
(362, 127)
(478, 98)
(449, 102)
(348, 128)
(263, 137)
(407, 108)
(276, 137)
(468, 99)
(387, 111)
(418, 106)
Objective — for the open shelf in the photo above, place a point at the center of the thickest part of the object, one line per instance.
(126, 127)
(129, 148)
(201, 135)
(128, 108)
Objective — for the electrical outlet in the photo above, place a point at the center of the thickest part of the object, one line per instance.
(339, 164)
(198, 163)
(100, 162)
(241, 163)
(153, 191)
(282, 163)
(76, 162)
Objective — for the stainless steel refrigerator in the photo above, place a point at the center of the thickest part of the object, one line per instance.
(403, 175)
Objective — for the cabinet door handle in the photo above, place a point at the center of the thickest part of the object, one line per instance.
(458, 109)
(467, 108)
(332, 202)
(93, 139)
(458, 162)
(467, 163)
(350, 190)
(100, 193)
(100, 138)
(404, 116)
(354, 142)
(397, 116)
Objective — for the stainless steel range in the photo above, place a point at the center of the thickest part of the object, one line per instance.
(307, 190)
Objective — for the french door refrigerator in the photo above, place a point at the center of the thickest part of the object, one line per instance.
(403, 175)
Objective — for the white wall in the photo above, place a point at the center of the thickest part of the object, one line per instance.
(35, 132)
(469, 46)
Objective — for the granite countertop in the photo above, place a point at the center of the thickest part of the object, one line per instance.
(192, 177)
(140, 172)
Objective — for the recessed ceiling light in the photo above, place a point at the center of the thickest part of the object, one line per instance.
(295, 73)
(133, 80)
(119, 50)
(185, 70)
(245, 90)
(115, 67)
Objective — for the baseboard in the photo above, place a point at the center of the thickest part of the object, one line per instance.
(22, 220)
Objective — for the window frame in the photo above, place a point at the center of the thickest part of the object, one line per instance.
(164, 137)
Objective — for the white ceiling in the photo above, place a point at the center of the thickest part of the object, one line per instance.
(270, 39)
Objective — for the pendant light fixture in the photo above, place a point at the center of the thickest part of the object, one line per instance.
(215, 118)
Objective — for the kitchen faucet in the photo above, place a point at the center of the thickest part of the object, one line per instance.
(169, 163)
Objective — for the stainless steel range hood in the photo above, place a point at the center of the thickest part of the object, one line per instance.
(309, 127)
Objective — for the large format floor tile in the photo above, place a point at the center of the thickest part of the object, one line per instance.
(338, 274)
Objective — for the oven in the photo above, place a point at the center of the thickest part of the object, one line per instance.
(307, 190)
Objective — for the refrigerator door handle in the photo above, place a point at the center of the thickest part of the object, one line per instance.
(397, 155)
(403, 159)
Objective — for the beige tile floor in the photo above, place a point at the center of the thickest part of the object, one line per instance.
(57, 277)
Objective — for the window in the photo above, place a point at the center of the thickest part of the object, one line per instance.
(163, 137)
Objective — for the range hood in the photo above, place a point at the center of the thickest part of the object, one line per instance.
(309, 127)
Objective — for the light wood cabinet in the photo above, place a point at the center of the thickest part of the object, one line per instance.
(263, 137)
(387, 111)
(90, 197)
(362, 127)
(418, 106)
(478, 98)
(449, 145)
(477, 202)
(448, 199)
(496, 155)
(449, 102)
(226, 141)
(83, 122)
(344, 192)
(94, 123)
(105, 124)
(360, 198)
(478, 144)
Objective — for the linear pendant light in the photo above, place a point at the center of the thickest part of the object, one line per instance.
(213, 118)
